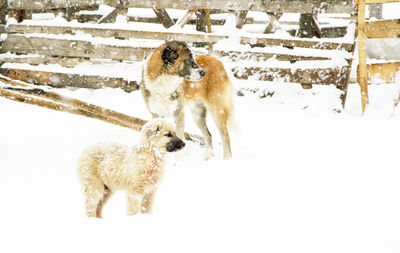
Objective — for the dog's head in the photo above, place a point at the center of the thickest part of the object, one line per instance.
(178, 59)
(161, 134)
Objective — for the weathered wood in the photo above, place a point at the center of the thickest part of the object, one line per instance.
(375, 11)
(291, 43)
(380, 1)
(251, 5)
(16, 96)
(46, 4)
(109, 18)
(201, 22)
(182, 21)
(136, 123)
(238, 56)
(386, 71)
(362, 76)
(22, 44)
(163, 17)
(383, 29)
(308, 27)
(346, 83)
(241, 18)
(3, 11)
(115, 32)
(208, 23)
(166, 35)
(24, 93)
(336, 76)
(68, 80)
(67, 62)
(273, 22)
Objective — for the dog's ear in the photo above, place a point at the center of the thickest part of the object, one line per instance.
(152, 132)
(169, 55)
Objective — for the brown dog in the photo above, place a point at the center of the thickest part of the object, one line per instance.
(172, 79)
(105, 168)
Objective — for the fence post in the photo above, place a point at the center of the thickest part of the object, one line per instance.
(362, 75)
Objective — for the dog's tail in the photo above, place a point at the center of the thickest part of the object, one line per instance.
(232, 120)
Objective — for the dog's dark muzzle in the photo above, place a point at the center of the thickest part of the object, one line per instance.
(175, 144)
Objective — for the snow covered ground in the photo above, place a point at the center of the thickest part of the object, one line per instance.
(303, 178)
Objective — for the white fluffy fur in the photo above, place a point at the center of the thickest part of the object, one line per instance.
(107, 167)
(160, 101)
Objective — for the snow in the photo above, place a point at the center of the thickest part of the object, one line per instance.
(303, 178)
(306, 175)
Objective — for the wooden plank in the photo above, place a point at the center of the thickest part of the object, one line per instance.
(291, 43)
(238, 56)
(68, 80)
(362, 76)
(273, 22)
(67, 62)
(109, 18)
(336, 76)
(380, 1)
(241, 18)
(22, 44)
(385, 71)
(338, 6)
(115, 32)
(166, 35)
(163, 17)
(182, 21)
(47, 5)
(383, 29)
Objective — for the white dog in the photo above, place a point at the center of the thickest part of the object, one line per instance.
(105, 168)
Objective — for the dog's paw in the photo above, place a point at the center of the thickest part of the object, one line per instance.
(208, 154)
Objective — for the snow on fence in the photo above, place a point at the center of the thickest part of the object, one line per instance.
(95, 54)
(374, 29)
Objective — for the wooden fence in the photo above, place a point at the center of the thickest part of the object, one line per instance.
(374, 29)
(36, 47)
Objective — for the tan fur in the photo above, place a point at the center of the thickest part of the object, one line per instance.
(155, 66)
(107, 167)
(213, 93)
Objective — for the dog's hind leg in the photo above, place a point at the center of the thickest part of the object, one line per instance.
(221, 120)
(199, 113)
(147, 203)
(107, 193)
(94, 194)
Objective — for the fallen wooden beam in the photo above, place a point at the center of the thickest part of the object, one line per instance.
(16, 96)
(28, 94)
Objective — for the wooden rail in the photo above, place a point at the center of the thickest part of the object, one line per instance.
(297, 6)
(109, 31)
(335, 6)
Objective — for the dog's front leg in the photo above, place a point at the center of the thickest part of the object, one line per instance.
(147, 203)
(179, 116)
(134, 203)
